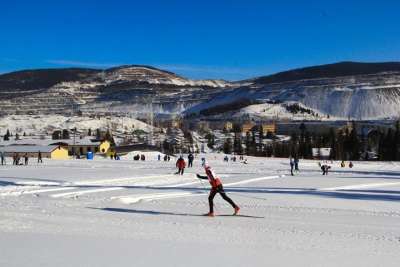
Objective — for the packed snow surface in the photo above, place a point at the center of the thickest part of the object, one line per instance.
(139, 213)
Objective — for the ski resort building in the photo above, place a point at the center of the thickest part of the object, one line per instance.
(51, 152)
(82, 146)
(268, 128)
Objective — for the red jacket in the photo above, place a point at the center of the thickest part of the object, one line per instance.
(214, 181)
(180, 163)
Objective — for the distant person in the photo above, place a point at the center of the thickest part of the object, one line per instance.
(39, 159)
(165, 158)
(291, 162)
(159, 157)
(342, 164)
(216, 187)
(3, 158)
(351, 165)
(245, 161)
(142, 157)
(26, 158)
(17, 159)
(203, 161)
(169, 158)
(180, 164)
(190, 160)
(296, 164)
(137, 157)
(325, 168)
(226, 159)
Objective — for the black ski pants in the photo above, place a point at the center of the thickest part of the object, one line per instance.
(219, 189)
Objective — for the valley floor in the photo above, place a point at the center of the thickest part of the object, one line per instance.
(130, 213)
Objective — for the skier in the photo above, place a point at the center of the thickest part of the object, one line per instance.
(325, 168)
(216, 187)
(351, 165)
(291, 162)
(296, 164)
(39, 159)
(342, 164)
(3, 158)
(190, 160)
(26, 158)
(159, 157)
(180, 164)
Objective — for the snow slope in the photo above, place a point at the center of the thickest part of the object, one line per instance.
(47, 123)
(125, 213)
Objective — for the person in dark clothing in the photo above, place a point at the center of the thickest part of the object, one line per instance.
(3, 158)
(291, 162)
(190, 160)
(39, 159)
(296, 164)
(180, 164)
(216, 187)
(17, 159)
(325, 168)
(26, 158)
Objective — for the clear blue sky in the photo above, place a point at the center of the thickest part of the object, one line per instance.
(197, 39)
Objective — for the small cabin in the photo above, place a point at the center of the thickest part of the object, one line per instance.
(51, 152)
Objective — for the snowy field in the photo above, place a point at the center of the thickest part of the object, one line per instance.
(126, 213)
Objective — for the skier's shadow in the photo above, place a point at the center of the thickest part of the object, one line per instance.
(147, 212)
(151, 212)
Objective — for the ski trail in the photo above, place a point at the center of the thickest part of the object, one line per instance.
(148, 197)
(358, 186)
(48, 190)
(78, 193)
(118, 180)
(138, 181)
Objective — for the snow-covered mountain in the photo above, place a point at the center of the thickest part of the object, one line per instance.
(341, 90)
(125, 89)
(347, 89)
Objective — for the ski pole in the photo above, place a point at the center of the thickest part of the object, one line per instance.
(242, 195)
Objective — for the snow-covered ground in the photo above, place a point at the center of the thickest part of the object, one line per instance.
(135, 213)
(33, 124)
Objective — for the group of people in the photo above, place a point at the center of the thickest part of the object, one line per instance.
(17, 158)
(141, 157)
(324, 165)
(166, 157)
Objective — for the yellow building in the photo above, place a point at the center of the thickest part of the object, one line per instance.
(268, 127)
(228, 126)
(104, 146)
(246, 127)
(32, 151)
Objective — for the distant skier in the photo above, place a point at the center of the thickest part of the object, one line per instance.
(3, 158)
(216, 187)
(351, 165)
(190, 160)
(39, 159)
(296, 164)
(159, 157)
(26, 158)
(291, 162)
(342, 164)
(325, 168)
(180, 164)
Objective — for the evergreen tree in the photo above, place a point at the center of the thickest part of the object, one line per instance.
(228, 146)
